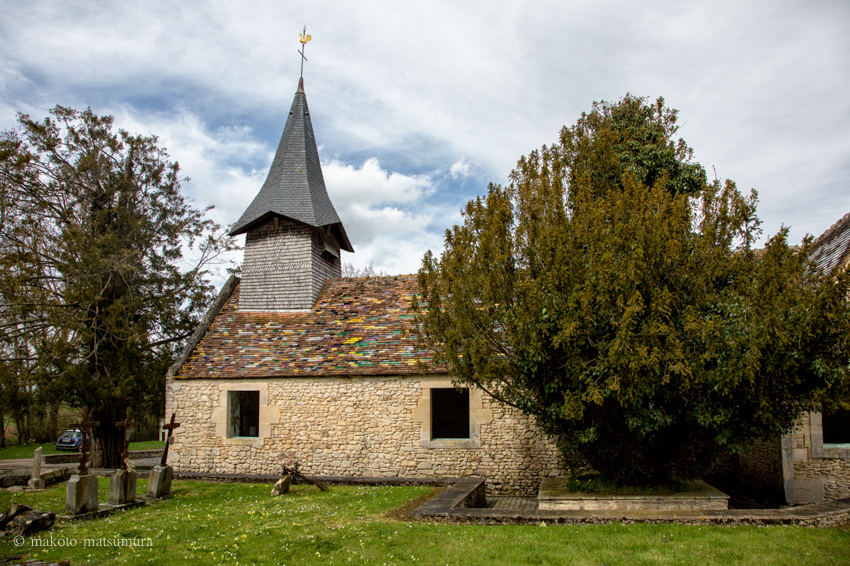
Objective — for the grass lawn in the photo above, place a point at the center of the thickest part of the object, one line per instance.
(229, 524)
(26, 451)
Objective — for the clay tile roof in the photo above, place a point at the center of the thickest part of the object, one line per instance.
(832, 248)
(358, 327)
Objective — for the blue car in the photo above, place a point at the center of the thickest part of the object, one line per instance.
(70, 440)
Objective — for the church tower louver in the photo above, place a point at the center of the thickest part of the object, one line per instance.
(293, 234)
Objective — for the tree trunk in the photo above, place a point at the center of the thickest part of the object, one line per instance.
(2, 429)
(52, 423)
(108, 444)
(23, 433)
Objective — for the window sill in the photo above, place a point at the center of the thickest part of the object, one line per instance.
(451, 443)
(831, 451)
(244, 441)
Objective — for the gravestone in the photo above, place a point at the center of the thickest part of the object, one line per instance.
(81, 489)
(35, 481)
(122, 487)
(122, 484)
(81, 494)
(159, 482)
(13, 511)
(168, 439)
(30, 522)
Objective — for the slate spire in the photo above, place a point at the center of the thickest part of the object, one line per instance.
(295, 187)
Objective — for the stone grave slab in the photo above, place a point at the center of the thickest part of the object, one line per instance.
(699, 496)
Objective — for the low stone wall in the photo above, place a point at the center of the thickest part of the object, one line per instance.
(452, 505)
(698, 496)
(74, 457)
(756, 474)
(22, 477)
(355, 427)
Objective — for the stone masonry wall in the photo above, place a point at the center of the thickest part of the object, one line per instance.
(813, 462)
(361, 427)
(758, 471)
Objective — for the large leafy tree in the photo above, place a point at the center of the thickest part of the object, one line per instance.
(97, 289)
(615, 296)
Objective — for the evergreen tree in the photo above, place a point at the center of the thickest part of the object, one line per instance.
(615, 296)
(93, 278)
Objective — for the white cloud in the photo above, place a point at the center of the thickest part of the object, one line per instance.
(386, 214)
(461, 169)
(372, 185)
(214, 159)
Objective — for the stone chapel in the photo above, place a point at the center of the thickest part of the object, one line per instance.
(293, 360)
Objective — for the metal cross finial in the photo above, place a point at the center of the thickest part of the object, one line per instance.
(170, 428)
(303, 38)
(126, 425)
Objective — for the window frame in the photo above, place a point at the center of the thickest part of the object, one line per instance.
(269, 414)
(232, 397)
(478, 416)
(462, 392)
(821, 450)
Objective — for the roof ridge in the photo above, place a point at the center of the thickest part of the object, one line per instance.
(402, 276)
(830, 232)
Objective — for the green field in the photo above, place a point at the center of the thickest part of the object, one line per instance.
(238, 524)
(26, 451)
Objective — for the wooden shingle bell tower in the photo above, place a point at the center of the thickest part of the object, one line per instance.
(293, 234)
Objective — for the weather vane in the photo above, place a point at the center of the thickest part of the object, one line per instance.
(303, 38)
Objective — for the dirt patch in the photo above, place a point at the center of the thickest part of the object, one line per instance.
(403, 513)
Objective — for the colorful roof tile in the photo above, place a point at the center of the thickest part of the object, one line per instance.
(358, 327)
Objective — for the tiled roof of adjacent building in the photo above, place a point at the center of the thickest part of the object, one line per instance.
(358, 327)
(832, 248)
(295, 187)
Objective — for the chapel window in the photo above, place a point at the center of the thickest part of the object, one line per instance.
(449, 413)
(244, 419)
(836, 427)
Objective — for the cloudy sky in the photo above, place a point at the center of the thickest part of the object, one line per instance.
(417, 106)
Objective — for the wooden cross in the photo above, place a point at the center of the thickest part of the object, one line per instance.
(126, 425)
(170, 428)
(85, 425)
